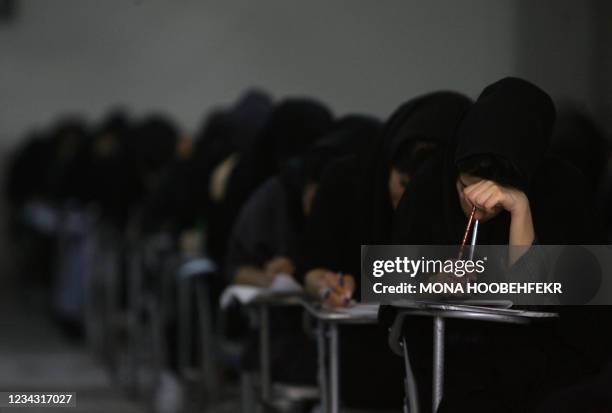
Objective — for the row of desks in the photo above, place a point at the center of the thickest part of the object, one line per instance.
(328, 339)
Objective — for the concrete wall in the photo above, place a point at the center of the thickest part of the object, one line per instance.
(184, 56)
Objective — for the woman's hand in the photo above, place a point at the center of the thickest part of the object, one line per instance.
(334, 289)
(264, 277)
(279, 265)
(490, 198)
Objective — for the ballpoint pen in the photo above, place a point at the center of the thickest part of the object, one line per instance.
(467, 232)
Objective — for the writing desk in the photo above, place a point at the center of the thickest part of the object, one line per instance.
(328, 342)
(439, 312)
(262, 304)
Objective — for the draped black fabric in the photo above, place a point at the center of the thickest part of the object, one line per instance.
(153, 143)
(264, 229)
(28, 169)
(347, 135)
(429, 119)
(171, 207)
(249, 115)
(331, 238)
(183, 195)
(353, 206)
(291, 128)
(230, 130)
(113, 174)
(512, 120)
(65, 176)
(271, 223)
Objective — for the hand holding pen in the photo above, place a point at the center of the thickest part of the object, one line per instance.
(337, 289)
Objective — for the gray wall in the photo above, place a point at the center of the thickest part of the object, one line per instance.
(185, 56)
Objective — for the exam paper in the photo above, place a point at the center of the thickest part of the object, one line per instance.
(244, 294)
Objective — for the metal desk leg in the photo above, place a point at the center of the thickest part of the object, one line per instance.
(208, 341)
(322, 355)
(334, 368)
(411, 401)
(264, 353)
(438, 362)
(247, 398)
(184, 324)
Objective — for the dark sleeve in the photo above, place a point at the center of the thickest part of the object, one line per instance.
(253, 238)
(419, 217)
(328, 236)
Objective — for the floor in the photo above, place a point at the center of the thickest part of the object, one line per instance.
(36, 356)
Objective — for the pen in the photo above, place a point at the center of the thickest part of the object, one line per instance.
(467, 231)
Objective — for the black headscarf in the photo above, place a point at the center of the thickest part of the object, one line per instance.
(28, 169)
(223, 133)
(66, 176)
(346, 136)
(429, 119)
(153, 143)
(511, 120)
(114, 174)
(233, 129)
(272, 221)
(183, 195)
(249, 115)
(293, 126)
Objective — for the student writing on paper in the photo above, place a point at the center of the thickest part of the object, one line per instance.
(266, 237)
(266, 240)
(357, 196)
(354, 206)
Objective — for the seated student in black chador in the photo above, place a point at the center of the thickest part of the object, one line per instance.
(293, 125)
(496, 162)
(182, 203)
(354, 206)
(357, 197)
(266, 238)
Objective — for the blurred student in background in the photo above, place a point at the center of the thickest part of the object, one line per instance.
(293, 125)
